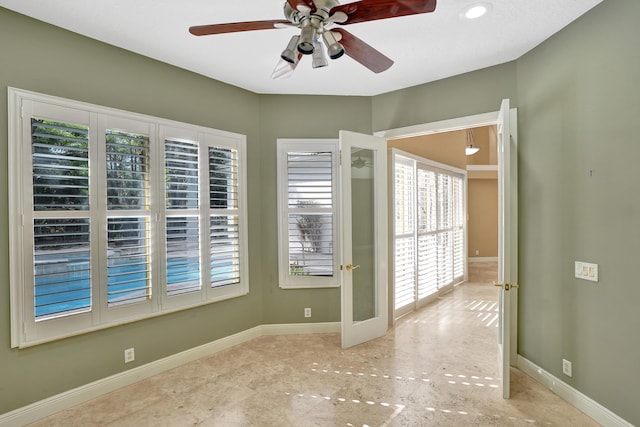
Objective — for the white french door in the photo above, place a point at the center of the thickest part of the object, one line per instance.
(364, 237)
(507, 244)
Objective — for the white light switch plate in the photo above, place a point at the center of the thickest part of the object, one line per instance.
(586, 271)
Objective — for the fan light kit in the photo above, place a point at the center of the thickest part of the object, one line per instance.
(316, 20)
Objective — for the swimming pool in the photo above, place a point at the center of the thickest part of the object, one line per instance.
(63, 286)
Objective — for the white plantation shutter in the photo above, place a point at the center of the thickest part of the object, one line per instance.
(183, 254)
(429, 223)
(60, 161)
(427, 200)
(459, 219)
(182, 231)
(427, 265)
(182, 175)
(62, 282)
(62, 267)
(108, 216)
(310, 194)
(223, 178)
(445, 237)
(404, 239)
(405, 211)
(128, 260)
(224, 225)
(308, 213)
(445, 258)
(224, 240)
(404, 272)
(427, 232)
(127, 162)
(205, 231)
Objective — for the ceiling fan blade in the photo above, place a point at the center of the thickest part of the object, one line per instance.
(308, 3)
(235, 27)
(371, 10)
(362, 52)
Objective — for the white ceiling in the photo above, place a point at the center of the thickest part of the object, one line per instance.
(425, 47)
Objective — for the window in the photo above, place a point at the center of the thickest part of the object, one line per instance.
(404, 211)
(307, 211)
(429, 229)
(116, 216)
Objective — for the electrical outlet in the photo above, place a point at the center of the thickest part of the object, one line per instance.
(566, 367)
(477, 252)
(129, 355)
(307, 312)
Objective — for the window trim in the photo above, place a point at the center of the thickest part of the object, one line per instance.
(284, 146)
(20, 208)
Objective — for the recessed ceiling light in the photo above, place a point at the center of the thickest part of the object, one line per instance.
(476, 10)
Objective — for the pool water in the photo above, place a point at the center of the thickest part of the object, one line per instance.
(64, 286)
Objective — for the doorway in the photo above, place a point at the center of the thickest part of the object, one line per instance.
(505, 120)
(444, 195)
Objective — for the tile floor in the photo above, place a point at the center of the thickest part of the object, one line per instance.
(436, 367)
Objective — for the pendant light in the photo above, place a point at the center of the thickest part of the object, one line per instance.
(471, 148)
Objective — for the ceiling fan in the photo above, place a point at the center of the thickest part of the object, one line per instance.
(316, 20)
(359, 163)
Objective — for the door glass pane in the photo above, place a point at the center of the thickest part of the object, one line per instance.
(363, 234)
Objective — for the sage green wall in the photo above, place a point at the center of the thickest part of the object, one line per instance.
(45, 59)
(464, 95)
(579, 111)
(283, 116)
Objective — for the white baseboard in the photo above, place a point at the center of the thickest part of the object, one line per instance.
(482, 259)
(76, 396)
(584, 403)
(301, 328)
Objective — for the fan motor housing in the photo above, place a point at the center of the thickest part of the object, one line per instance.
(322, 11)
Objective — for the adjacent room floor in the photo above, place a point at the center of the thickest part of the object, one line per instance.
(436, 367)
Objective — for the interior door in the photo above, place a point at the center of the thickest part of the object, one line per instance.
(364, 237)
(507, 243)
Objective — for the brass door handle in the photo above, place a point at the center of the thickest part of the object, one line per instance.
(506, 286)
(352, 267)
